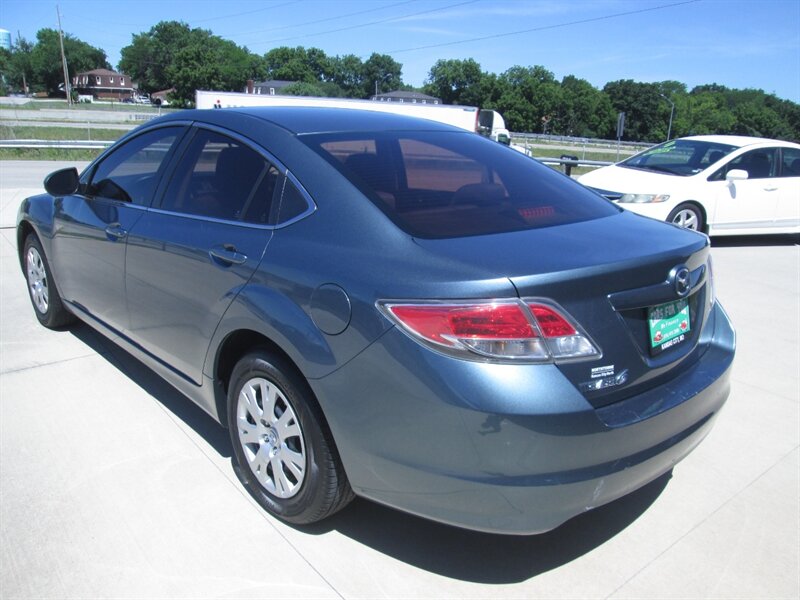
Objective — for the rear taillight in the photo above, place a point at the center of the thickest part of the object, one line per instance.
(531, 330)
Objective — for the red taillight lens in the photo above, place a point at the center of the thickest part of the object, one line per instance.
(441, 323)
(503, 329)
(550, 322)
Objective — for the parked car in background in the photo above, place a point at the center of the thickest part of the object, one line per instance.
(390, 307)
(720, 184)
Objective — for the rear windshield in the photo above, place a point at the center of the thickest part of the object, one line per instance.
(451, 184)
(679, 157)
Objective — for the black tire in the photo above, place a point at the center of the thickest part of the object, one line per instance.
(687, 215)
(42, 290)
(264, 436)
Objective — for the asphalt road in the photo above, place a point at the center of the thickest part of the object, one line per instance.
(113, 485)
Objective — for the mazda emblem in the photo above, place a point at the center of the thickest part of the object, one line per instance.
(682, 280)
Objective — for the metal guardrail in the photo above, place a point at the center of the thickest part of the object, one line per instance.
(578, 141)
(567, 162)
(570, 162)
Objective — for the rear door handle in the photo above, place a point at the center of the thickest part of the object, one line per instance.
(227, 254)
(770, 188)
(115, 232)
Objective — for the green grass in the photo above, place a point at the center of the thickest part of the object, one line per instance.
(47, 154)
(84, 106)
(29, 132)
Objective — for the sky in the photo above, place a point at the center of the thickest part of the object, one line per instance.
(736, 43)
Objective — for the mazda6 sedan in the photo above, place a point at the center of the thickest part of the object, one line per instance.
(719, 184)
(392, 308)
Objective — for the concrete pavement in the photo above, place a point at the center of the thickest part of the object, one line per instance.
(113, 485)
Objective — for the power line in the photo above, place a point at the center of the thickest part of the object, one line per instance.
(349, 27)
(352, 14)
(249, 12)
(544, 27)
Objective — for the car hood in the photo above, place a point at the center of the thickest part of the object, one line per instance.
(633, 181)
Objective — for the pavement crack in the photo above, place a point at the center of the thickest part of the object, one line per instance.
(48, 364)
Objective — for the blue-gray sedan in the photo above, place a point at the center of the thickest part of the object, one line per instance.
(392, 308)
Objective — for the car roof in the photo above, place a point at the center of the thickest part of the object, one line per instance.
(304, 120)
(739, 141)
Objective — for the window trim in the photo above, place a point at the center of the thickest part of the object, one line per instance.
(283, 172)
(163, 170)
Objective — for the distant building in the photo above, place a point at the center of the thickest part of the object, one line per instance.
(272, 87)
(407, 97)
(160, 98)
(5, 39)
(104, 84)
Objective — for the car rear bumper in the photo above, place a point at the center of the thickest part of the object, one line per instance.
(509, 448)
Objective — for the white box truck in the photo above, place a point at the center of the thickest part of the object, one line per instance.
(489, 123)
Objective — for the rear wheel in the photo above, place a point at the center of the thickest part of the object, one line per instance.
(285, 453)
(43, 293)
(687, 215)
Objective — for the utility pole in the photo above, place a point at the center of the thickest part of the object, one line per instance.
(24, 83)
(671, 113)
(64, 59)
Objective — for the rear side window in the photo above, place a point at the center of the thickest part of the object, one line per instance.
(221, 178)
(130, 173)
(452, 184)
(791, 162)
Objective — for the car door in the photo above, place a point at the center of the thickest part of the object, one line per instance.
(92, 224)
(751, 202)
(189, 256)
(788, 210)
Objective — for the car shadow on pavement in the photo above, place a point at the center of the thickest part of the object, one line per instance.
(175, 402)
(441, 549)
(741, 241)
(483, 557)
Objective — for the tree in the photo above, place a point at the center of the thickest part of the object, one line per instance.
(646, 112)
(298, 64)
(208, 62)
(45, 59)
(150, 54)
(455, 81)
(532, 98)
(348, 74)
(383, 72)
(584, 111)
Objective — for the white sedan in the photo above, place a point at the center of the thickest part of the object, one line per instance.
(720, 184)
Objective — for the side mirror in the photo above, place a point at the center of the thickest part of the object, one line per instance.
(62, 183)
(736, 175)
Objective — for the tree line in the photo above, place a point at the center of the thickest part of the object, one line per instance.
(174, 55)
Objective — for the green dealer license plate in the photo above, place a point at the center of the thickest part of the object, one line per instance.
(669, 325)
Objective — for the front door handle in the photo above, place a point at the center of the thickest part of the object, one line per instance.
(227, 255)
(115, 233)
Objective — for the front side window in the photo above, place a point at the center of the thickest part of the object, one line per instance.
(221, 178)
(679, 157)
(130, 173)
(452, 184)
(758, 164)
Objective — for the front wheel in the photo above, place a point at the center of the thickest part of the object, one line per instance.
(43, 293)
(285, 454)
(687, 215)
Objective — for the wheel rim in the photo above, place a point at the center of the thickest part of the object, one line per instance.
(687, 218)
(271, 437)
(37, 280)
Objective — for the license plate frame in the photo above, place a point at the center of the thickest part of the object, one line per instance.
(668, 325)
